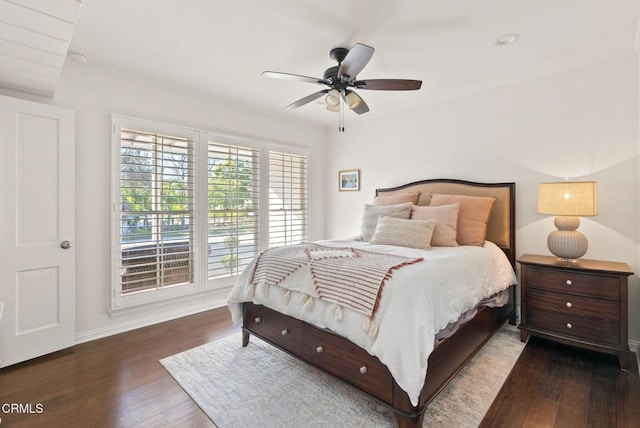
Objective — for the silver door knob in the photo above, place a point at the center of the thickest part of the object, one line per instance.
(65, 245)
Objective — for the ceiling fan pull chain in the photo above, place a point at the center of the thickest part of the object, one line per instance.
(341, 120)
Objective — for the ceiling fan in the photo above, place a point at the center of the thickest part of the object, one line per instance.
(342, 79)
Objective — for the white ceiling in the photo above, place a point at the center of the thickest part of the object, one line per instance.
(221, 47)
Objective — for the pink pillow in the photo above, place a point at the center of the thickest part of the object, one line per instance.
(472, 218)
(446, 232)
(398, 198)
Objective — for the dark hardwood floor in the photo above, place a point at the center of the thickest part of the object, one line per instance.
(554, 385)
(113, 382)
(118, 382)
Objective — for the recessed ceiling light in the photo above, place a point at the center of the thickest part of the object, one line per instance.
(507, 39)
(78, 57)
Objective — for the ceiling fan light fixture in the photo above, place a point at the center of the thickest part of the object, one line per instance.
(353, 100)
(333, 99)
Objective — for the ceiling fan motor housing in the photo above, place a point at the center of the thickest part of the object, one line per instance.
(331, 73)
(338, 54)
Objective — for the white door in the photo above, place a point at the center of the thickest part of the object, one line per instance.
(37, 272)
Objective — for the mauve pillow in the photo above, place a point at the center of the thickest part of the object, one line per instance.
(404, 233)
(446, 216)
(372, 212)
(472, 218)
(398, 198)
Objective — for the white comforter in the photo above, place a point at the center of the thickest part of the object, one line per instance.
(417, 302)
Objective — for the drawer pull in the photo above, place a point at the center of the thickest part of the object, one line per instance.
(568, 282)
(258, 320)
(284, 332)
(569, 325)
(319, 350)
(569, 305)
(363, 370)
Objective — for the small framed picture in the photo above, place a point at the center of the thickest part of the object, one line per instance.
(349, 180)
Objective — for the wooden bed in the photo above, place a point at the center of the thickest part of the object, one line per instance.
(354, 365)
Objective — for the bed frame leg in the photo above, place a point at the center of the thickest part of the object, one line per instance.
(405, 421)
(245, 338)
(512, 319)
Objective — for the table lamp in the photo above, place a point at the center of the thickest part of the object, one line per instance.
(567, 200)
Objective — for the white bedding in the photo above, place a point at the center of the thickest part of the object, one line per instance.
(417, 302)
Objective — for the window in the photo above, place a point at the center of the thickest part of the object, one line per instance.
(191, 208)
(287, 199)
(157, 213)
(233, 207)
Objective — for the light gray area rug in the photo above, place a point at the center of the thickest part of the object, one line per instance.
(262, 386)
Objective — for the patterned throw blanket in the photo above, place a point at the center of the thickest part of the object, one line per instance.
(346, 277)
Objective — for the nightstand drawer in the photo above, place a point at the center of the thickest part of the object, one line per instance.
(573, 306)
(574, 327)
(565, 281)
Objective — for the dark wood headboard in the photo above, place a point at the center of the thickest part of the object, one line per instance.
(501, 229)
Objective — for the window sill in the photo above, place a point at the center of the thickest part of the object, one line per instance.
(175, 305)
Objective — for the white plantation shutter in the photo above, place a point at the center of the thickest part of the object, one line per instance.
(192, 208)
(156, 210)
(233, 207)
(287, 198)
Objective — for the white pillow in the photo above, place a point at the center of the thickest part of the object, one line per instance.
(372, 212)
(404, 233)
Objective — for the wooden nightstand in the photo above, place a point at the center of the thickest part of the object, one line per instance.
(582, 304)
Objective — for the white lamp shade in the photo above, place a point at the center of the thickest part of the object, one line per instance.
(568, 198)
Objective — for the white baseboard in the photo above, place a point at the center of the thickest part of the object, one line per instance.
(635, 348)
(158, 313)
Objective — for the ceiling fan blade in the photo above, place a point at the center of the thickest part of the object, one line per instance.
(388, 84)
(355, 61)
(355, 102)
(307, 99)
(289, 76)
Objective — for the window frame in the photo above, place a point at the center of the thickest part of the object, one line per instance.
(202, 198)
(120, 300)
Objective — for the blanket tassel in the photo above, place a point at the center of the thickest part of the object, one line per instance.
(370, 326)
(308, 303)
(337, 312)
(286, 297)
(264, 288)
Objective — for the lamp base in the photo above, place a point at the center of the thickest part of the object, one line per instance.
(566, 243)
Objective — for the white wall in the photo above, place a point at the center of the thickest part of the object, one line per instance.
(581, 124)
(95, 93)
